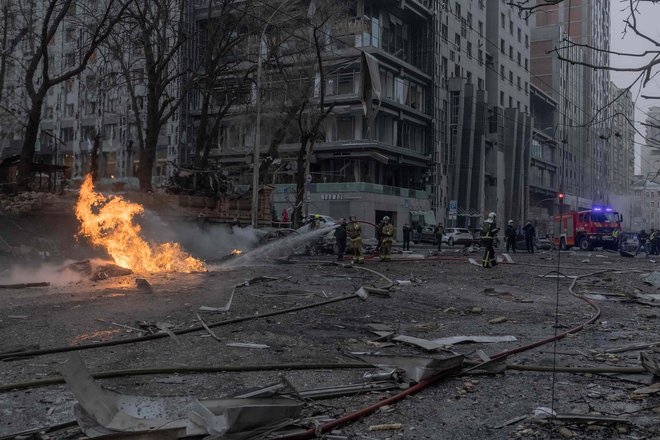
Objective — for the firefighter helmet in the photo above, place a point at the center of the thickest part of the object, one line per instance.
(386, 219)
(492, 215)
(510, 222)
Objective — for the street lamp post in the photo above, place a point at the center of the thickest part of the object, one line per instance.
(257, 135)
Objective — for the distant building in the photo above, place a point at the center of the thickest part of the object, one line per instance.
(543, 168)
(620, 137)
(650, 153)
(581, 92)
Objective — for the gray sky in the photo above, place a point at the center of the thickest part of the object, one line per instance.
(648, 22)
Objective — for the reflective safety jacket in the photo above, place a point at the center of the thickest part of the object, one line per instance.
(388, 232)
(354, 231)
(489, 230)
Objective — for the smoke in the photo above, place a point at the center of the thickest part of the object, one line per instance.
(623, 204)
(283, 247)
(201, 239)
(57, 275)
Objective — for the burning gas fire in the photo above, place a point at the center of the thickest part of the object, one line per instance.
(236, 252)
(107, 221)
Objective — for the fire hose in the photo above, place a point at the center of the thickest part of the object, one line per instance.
(326, 427)
(314, 431)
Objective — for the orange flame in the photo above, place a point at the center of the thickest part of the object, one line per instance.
(236, 252)
(107, 221)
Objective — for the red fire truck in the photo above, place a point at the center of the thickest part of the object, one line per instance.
(587, 229)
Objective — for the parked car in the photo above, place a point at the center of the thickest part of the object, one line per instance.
(539, 243)
(460, 236)
(427, 235)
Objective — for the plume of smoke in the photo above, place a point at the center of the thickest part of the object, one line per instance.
(57, 275)
(201, 239)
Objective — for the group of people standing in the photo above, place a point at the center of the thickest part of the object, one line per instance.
(353, 230)
(385, 234)
(511, 236)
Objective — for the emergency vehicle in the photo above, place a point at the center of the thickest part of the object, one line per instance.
(587, 229)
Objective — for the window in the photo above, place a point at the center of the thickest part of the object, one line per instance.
(511, 77)
(70, 59)
(526, 63)
(469, 20)
(510, 51)
(503, 20)
(502, 45)
(510, 101)
(526, 40)
(502, 71)
(458, 9)
(345, 129)
(481, 28)
(469, 50)
(511, 27)
(481, 56)
(518, 83)
(502, 98)
(69, 110)
(444, 32)
(518, 58)
(519, 35)
(480, 83)
(457, 41)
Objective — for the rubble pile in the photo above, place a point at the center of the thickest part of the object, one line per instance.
(25, 202)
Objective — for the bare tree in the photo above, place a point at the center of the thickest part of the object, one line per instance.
(156, 29)
(645, 63)
(94, 26)
(300, 60)
(219, 78)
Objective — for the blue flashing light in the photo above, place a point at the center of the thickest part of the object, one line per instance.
(598, 208)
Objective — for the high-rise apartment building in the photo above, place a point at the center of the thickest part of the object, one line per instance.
(583, 157)
(464, 103)
(509, 127)
(620, 137)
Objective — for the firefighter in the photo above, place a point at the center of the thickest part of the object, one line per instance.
(615, 237)
(489, 230)
(387, 232)
(653, 240)
(340, 239)
(510, 236)
(355, 234)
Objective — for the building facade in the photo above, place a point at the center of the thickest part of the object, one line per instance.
(620, 137)
(509, 122)
(584, 22)
(650, 153)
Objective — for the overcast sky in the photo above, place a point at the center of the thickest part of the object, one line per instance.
(647, 22)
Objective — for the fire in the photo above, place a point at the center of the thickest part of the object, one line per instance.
(107, 221)
(236, 252)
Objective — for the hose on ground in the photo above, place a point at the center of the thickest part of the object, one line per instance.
(55, 380)
(196, 328)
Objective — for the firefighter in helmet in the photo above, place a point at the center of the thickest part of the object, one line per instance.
(387, 232)
(355, 234)
(489, 230)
